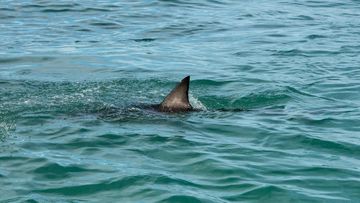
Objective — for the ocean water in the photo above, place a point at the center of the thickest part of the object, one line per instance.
(277, 82)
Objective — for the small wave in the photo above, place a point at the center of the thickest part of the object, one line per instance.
(277, 35)
(261, 193)
(56, 171)
(52, 10)
(4, 17)
(26, 59)
(314, 36)
(270, 26)
(261, 99)
(55, 5)
(145, 40)
(324, 4)
(7, 9)
(318, 144)
(113, 184)
(102, 24)
(59, 10)
(307, 53)
(183, 198)
(190, 4)
(205, 83)
(303, 17)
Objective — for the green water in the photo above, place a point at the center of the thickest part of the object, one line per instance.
(74, 76)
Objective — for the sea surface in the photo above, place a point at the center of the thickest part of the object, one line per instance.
(277, 84)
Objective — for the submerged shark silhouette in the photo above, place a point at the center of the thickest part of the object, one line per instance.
(178, 99)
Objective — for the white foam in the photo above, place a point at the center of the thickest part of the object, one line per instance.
(5, 128)
(196, 103)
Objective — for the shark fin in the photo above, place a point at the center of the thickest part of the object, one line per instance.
(178, 98)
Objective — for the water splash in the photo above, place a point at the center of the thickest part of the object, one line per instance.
(196, 103)
(5, 129)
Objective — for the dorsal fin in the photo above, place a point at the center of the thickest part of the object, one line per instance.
(178, 98)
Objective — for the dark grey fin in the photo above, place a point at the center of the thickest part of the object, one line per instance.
(178, 98)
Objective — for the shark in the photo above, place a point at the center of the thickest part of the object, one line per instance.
(178, 99)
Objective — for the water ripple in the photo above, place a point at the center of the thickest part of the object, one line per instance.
(276, 84)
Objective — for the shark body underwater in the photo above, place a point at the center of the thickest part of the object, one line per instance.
(177, 101)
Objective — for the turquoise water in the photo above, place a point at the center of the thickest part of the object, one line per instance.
(73, 73)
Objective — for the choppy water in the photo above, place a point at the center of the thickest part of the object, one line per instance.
(294, 66)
